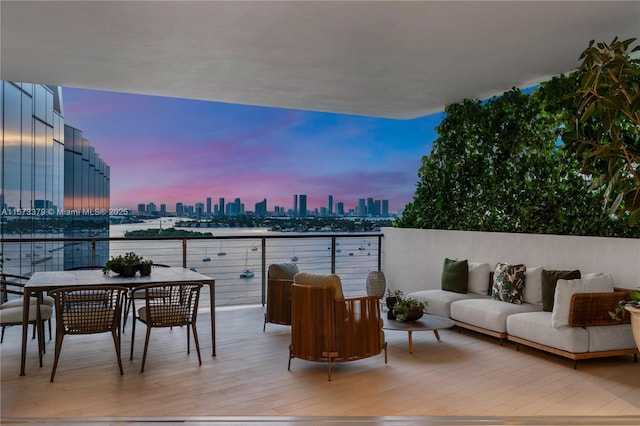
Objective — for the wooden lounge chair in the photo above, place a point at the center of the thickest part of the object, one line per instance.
(326, 327)
(279, 281)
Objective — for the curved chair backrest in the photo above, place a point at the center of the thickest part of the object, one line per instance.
(88, 309)
(280, 277)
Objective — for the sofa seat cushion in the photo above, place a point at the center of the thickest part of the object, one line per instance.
(610, 337)
(489, 313)
(536, 327)
(440, 300)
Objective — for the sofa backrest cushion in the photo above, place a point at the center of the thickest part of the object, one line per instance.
(565, 289)
(330, 280)
(479, 274)
(455, 275)
(533, 285)
(509, 282)
(549, 280)
(283, 271)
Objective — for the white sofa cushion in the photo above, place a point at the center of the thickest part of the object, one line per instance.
(488, 313)
(533, 285)
(565, 289)
(478, 278)
(440, 300)
(536, 327)
(610, 337)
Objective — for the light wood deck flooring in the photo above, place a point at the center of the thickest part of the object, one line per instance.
(466, 378)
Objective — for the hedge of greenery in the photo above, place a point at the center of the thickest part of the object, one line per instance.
(501, 166)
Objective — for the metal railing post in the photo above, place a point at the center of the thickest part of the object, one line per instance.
(264, 271)
(184, 252)
(333, 254)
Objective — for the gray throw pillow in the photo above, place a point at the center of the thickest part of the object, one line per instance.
(283, 271)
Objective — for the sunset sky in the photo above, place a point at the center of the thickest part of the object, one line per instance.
(167, 150)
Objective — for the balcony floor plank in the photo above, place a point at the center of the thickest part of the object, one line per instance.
(463, 379)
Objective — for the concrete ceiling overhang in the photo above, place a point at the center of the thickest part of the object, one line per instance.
(386, 59)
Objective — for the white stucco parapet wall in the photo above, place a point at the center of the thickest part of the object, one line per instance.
(412, 258)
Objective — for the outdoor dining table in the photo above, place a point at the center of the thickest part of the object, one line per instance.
(50, 280)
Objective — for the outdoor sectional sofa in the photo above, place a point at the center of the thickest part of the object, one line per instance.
(561, 312)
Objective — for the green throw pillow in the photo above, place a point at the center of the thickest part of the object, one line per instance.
(549, 281)
(508, 283)
(455, 275)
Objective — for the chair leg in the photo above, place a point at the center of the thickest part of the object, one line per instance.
(133, 337)
(59, 337)
(2, 338)
(195, 340)
(116, 343)
(330, 359)
(128, 300)
(146, 346)
(188, 341)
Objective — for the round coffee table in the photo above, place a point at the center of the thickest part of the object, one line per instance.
(426, 323)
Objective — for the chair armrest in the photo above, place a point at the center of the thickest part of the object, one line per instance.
(592, 309)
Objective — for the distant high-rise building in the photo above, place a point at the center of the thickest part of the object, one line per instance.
(209, 205)
(142, 208)
(295, 205)
(179, 209)
(221, 206)
(261, 208)
(151, 208)
(362, 207)
(330, 205)
(163, 209)
(303, 205)
(376, 208)
(370, 207)
(385, 208)
(340, 208)
(199, 210)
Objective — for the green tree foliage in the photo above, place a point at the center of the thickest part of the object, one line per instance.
(497, 166)
(603, 130)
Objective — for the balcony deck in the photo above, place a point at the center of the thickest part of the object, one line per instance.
(466, 378)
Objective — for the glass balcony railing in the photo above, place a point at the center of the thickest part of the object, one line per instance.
(238, 263)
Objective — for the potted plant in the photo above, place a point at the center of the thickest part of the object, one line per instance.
(390, 300)
(632, 305)
(145, 267)
(409, 309)
(125, 265)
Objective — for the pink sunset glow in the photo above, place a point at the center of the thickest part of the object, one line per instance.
(166, 150)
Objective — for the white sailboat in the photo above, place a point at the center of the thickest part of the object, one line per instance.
(247, 273)
(221, 253)
(206, 258)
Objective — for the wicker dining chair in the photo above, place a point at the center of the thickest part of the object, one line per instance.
(129, 300)
(11, 312)
(168, 305)
(14, 285)
(88, 310)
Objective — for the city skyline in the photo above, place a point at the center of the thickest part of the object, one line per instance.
(368, 206)
(168, 150)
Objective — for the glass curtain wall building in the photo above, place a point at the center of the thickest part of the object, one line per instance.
(49, 186)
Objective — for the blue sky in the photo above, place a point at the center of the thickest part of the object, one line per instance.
(168, 150)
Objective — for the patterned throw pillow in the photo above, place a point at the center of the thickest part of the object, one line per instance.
(508, 283)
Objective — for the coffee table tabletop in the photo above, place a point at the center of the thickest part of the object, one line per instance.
(426, 323)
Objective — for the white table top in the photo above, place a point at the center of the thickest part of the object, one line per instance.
(53, 279)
